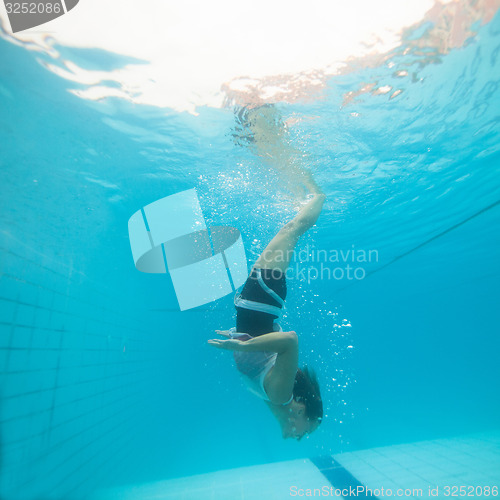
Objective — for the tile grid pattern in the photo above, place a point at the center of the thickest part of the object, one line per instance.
(72, 366)
(466, 461)
(472, 460)
(274, 481)
(340, 477)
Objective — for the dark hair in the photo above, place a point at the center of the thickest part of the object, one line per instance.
(306, 390)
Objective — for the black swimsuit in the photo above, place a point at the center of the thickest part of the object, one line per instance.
(259, 304)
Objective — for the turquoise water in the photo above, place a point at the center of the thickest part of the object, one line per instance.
(409, 352)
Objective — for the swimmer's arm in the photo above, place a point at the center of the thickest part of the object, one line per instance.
(280, 380)
(279, 342)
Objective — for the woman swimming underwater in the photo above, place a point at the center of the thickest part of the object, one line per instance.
(265, 355)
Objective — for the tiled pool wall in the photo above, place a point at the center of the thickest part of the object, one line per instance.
(73, 361)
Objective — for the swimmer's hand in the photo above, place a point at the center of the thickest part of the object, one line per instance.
(279, 342)
(229, 344)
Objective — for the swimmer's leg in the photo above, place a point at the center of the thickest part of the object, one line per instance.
(278, 253)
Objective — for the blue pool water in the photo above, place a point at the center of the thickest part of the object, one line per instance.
(105, 382)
